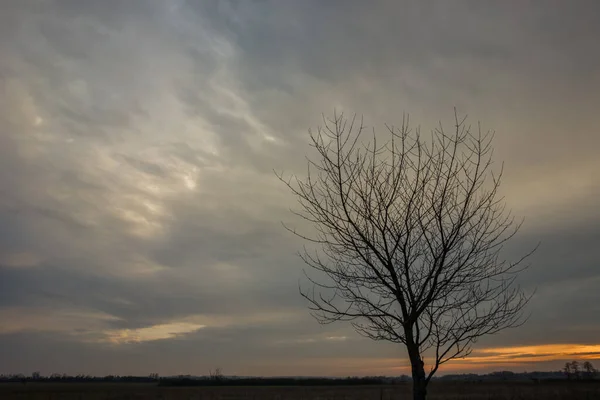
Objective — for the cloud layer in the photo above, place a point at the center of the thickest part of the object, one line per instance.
(139, 214)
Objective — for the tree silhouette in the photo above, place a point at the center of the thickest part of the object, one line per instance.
(589, 370)
(410, 233)
(216, 375)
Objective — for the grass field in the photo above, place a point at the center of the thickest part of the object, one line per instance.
(439, 391)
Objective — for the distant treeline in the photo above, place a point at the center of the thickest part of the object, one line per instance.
(350, 381)
(75, 378)
(220, 380)
(186, 380)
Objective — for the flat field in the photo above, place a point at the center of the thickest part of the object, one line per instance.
(437, 391)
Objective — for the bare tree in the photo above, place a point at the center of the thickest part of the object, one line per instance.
(589, 370)
(567, 370)
(575, 369)
(154, 376)
(216, 375)
(410, 235)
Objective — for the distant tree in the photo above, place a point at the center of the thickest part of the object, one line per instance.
(216, 375)
(154, 376)
(573, 370)
(589, 370)
(576, 369)
(35, 376)
(567, 370)
(411, 233)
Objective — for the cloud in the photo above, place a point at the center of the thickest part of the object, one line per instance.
(20, 260)
(156, 332)
(137, 141)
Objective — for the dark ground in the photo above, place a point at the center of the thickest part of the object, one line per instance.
(438, 391)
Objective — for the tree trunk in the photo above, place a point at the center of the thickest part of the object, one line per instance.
(419, 390)
(418, 374)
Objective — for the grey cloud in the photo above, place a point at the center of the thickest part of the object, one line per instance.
(564, 255)
(236, 350)
(145, 166)
(145, 301)
(137, 143)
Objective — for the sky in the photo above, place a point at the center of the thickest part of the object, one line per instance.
(140, 217)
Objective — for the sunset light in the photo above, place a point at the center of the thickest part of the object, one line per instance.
(207, 190)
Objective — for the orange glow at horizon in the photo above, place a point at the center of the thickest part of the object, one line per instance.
(521, 355)
(497, 358)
